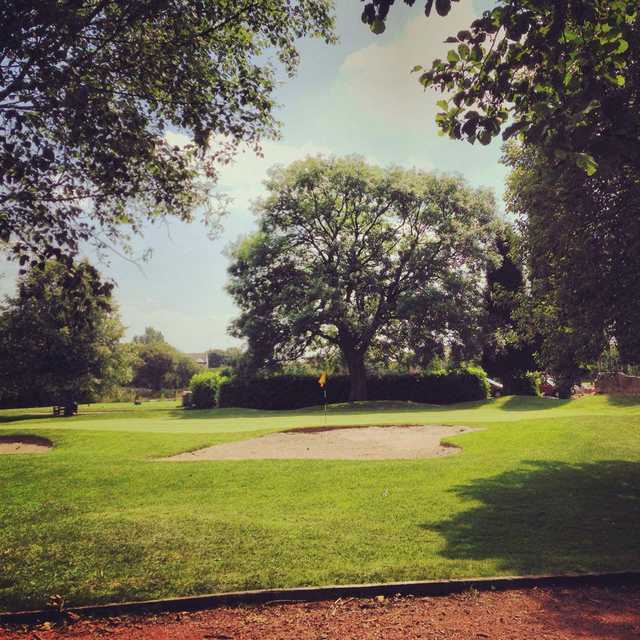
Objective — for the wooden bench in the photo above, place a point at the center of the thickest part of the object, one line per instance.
(58, 410)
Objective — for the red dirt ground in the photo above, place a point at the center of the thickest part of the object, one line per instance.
(540, 614)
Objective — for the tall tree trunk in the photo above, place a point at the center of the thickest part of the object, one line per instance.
(357, 375)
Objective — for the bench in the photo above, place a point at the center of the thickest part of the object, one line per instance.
(58, 410)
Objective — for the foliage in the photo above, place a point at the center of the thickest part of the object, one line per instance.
(90, 90)
(583, 249)
(507, 351)
(357, 257)
(58, 344)
(561, 73)
(159, 365)
(204, 389)
(526, 383)
(298, 391)
(229, 357)
(150, 336)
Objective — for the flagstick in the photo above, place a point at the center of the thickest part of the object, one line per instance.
(324, 389)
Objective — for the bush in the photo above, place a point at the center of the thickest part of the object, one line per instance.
(296, 392)
(524, 384)
(204, 389)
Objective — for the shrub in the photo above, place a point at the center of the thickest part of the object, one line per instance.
(525, 384)
(204, 388)
(296, 392)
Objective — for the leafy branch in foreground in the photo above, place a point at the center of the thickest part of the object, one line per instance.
(564, 74)
(89, 90)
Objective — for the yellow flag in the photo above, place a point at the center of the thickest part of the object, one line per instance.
(322, 380)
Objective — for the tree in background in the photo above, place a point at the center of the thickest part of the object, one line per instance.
(60, 343)
(583, 248)
(561, 73)
(348, 254)
(150, 336)
(89, 90)
(229, 357)
(508, 353)
(158, 365)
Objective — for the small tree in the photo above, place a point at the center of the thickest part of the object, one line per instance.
(507, 353)
(349, 254)
(59, 344)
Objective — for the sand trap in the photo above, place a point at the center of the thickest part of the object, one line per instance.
(336, 443)
(24, 444)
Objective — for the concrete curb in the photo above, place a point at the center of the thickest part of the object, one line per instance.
(332, 592)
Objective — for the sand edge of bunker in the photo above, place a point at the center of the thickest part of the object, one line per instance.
(339, 442)
(21, 444)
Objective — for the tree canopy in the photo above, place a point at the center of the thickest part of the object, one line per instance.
(507, 350)
(90, 88)
(565, 74)
(60, 344)
(349, 254)
(583, 250)
(158, 365)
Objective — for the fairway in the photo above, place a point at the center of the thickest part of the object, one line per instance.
(540, 485)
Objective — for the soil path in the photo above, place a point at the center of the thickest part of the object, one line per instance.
(339, 443)
(560, 614)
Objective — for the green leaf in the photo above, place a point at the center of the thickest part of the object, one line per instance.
(452, 56)
(427, 8)
(463, 51)
(443, 104)
(621, 81)
(443, 7)
(622, 46)
(378, 26)
(418, 67)
(587, 162)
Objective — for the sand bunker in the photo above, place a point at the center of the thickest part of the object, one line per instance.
(24, 444)
(336, 443)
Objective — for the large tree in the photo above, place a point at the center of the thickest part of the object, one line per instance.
(583, 248)
(565, 74)
(60, 343)
(90, 88)
(349, 254)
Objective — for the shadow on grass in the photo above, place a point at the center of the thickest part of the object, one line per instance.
(624, 401)
(531, 403)
(549, 517)
(26, 416)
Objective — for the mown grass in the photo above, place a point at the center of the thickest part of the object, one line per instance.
(544, 486)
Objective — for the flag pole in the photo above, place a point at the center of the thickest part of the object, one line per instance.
(324, 389)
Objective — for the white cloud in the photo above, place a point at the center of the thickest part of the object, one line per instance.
(243, 178)
(377, 80)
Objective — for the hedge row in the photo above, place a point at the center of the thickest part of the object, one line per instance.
(296, 392)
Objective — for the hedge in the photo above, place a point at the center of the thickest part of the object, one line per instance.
(524, 384)
(204, 389)
(296, 392)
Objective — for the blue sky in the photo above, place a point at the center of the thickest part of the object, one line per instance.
(354, 97)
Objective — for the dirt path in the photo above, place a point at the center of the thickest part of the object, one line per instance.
(560, 614)
(336, 443)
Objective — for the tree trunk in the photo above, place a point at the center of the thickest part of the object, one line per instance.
(357, 375)
(70, 406)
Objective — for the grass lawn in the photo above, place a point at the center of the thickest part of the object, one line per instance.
(544, 486)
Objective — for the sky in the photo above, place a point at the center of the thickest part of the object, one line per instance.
(357, 96)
